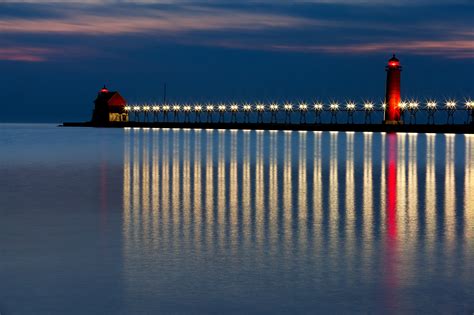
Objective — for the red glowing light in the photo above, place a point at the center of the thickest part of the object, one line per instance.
(392, 96)
(104, 90)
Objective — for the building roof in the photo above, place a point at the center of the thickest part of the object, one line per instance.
(106, 96)
(112, 98)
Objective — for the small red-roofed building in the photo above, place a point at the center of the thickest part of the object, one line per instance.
(109, 107)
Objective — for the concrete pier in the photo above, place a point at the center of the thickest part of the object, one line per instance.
(419, 128)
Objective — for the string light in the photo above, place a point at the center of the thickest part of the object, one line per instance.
(288, 107)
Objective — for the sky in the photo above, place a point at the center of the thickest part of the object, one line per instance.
(56, 55)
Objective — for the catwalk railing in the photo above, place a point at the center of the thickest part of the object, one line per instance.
(430, 112)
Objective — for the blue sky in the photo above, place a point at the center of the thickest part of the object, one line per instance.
(55, 55)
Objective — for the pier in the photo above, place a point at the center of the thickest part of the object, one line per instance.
(393, 115)
(430, 117)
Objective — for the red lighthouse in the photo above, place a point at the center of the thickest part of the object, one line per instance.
(392, 96)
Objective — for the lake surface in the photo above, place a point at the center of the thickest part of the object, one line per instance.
(201, 221)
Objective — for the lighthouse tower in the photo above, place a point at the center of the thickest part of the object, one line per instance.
(392, 94)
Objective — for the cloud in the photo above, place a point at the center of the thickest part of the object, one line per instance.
(449, 48)
(28, 54)
(186, 20)
(242, 2)
(236, 26)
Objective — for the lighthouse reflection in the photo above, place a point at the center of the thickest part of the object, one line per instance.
(329, 211)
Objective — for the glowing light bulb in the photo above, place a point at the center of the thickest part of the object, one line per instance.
(274, 107)
(127, 108)
(198, 108)
(451, 104)
(413, 105)
(470, 104)
(351, 106)
(260, 107)
(247, 107)
(403, 105)
(334, 106)
(210, 108)
(288, 107)
(431, 105)
(234, 107)
(369, 106)
(303, 107)
(318, 106)
(136, 108)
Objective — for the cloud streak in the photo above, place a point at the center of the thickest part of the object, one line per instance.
(277, 2)
(231, 27)
(25, 54)
(158, 21)
(451, 48)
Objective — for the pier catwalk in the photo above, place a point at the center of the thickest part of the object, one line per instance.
(420, 128)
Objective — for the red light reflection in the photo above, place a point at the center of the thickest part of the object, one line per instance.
(392, 187)
(391, 224)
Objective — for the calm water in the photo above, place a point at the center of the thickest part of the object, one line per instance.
(201, 221)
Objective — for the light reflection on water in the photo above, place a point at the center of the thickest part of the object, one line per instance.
(201, 221)
(468, 188)
(386, 218)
